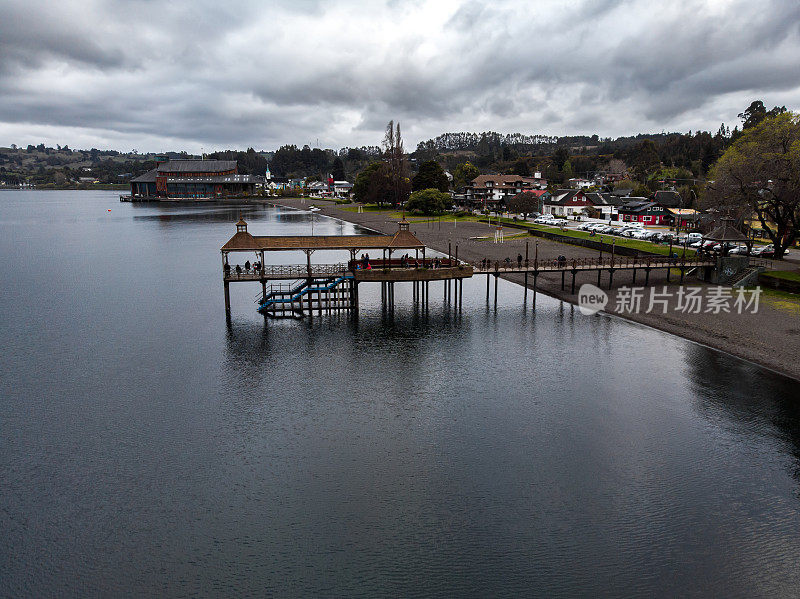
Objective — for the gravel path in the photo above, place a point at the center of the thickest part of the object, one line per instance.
(771, 337)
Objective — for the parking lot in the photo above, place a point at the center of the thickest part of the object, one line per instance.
(654, 234)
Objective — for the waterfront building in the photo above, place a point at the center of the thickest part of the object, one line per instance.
(192, 179)
(644, 211)
(566, 202)
(491, 190)
(607, 204)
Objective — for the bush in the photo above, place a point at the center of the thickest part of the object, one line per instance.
(428, 202)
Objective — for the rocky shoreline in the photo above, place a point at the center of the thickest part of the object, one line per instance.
(769, 338)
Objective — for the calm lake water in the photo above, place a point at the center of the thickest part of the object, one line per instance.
(149, 449)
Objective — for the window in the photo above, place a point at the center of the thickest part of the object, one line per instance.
(646, 219)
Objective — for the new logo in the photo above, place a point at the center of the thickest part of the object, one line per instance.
(591, 299)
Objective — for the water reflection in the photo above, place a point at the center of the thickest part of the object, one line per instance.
(147, 449)
(745, 398)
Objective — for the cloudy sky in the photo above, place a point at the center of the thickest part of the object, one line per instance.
(158, 75)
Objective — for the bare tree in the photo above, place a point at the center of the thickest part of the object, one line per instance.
(617, 166)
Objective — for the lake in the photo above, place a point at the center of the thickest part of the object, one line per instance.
(149, 448)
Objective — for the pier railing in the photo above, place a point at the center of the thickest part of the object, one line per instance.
(616, 262)
(282, 271)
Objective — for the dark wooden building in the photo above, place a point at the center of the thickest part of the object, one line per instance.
(192, 180)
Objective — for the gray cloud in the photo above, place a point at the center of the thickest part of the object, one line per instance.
(238, 74)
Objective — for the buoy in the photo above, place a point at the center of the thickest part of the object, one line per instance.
(109, 209)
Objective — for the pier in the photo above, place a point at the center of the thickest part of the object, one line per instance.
(329, 287)
(326, 288)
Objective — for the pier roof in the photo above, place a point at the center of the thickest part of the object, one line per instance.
(403, 239)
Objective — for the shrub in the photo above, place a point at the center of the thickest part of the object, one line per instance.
(428, 202)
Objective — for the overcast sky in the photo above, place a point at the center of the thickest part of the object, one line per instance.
(159, 75)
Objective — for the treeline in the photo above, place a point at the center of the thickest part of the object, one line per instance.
(291, 161)
(250, 162)
(684, 156)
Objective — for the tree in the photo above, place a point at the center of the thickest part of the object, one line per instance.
(428, 202)
(337, 170)
(560, 156)
(463, 174)
(646, 161)
(430, 176)
(523, 203)
(395, 158)
(641, 191)
(567, 170)
(373, 185)
(757, 112)
(760, 174)
(521, 168)
(616, 166)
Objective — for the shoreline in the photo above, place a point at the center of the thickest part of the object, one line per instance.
(741, 337)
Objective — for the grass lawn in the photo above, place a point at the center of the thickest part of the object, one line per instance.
(392, 213)
(367, 208)
(786, 275)
(445, 218)
(781, 300)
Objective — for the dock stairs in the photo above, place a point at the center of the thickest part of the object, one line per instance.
(321, 294)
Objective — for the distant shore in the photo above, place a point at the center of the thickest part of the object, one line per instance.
(76, 187)
(770, 338)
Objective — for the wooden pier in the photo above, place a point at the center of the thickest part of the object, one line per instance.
(325, 288)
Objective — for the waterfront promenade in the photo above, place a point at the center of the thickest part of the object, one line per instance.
(771, 337)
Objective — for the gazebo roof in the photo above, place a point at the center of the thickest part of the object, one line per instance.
(726, 232)
(405, 240)
(242, 241)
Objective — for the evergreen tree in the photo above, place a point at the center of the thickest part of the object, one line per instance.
(430, 176)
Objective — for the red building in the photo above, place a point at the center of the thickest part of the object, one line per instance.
(644, 211)
(192, 180)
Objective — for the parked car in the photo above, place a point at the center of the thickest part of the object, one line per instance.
(667, 237)
(766, 251)
(693, 237)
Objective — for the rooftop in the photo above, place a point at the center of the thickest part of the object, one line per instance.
(197, 166)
